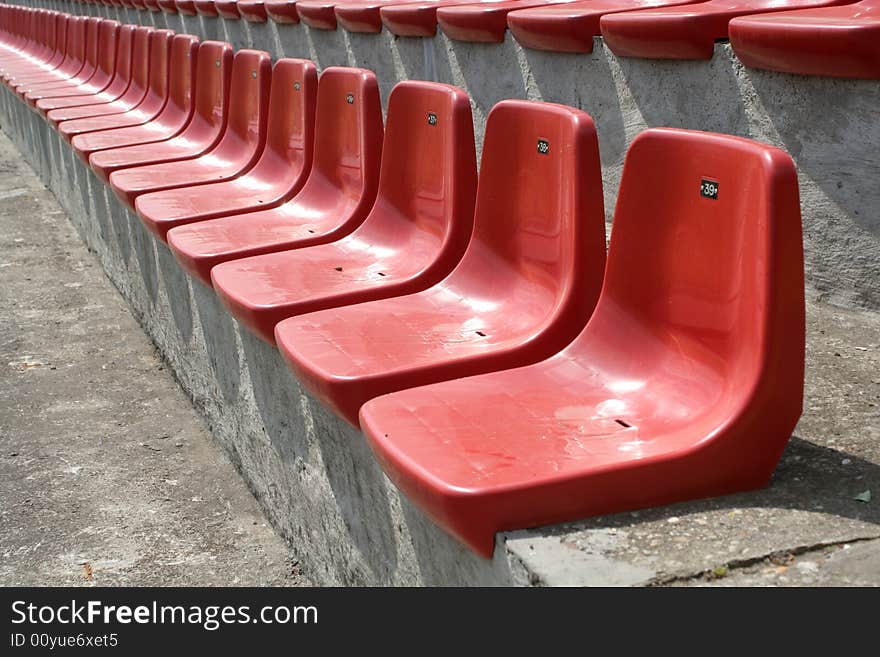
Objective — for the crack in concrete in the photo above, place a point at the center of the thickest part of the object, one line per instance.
(739, 564)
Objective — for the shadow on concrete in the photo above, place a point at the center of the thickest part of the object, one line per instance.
(325, 47)
(829, 127)
(365, 53)
(808, 478)
(359, 489)
(176, 284)
(119, 224)
(277, 397)
(219, 332)
(290, 41)
(142, 243)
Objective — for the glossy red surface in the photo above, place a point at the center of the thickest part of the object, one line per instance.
(841, 42)
(152, 103)
(205, 8)
(168, 6)
(121, 76)
(571, 27)
(685, 32)
(524, 289)
(687, 382)
(415, 19)
(482, 21)
(335, 199)
(317, 14)
(279, 174)
(282, 11)
(212, 80)
(414, 235)
(169, 121)
(138, 74)
(38, 45)
(253, 11)
(73, 65)
(186, 7)
(152, 5)
(105, 64)
(243, 138)
(227, 9)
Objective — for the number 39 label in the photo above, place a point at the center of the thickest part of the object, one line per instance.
(709, 189)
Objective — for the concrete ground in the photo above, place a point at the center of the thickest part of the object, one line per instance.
(108, 476)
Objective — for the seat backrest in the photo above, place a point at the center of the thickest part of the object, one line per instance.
(348, 132)
(182, 72)
(160, 47)
(291, 127)
(76, 42)
(213, 75)
(108, 32)
(249, 87)
(124, 45)
(706, 247)
(61, 21)
(140, 61)
(428, 174)
(93, 25)
(539, 218)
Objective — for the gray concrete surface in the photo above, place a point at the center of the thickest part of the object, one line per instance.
(108, 476)
(321, 490)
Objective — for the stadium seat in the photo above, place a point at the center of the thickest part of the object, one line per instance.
(202, 131)
(415, 234)
(842, 42)
(205, 8)
(524, 289)
(317, 14)
(686, 383)
(153, 101)
(482, 21)
(279, 174)
(72, 64)
(414, 19)
(253, 11)
(105, 51)
(335, 199)
(186, 7)
(243, 138)
(282, 11)
(571, 27)
(365, 15)
(121, 76)
(168, 6)
(83, 76)
(21, 55)
(688, 31)
(152, 5)
(227, 9)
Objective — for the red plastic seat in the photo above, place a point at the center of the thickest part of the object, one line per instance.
(84, 76)
(205, 8)
(839, 42)
(571, 27)
(685, 32)
(524, 289)
(365, 15)
(243, 138)
(282, 11)
(168, 6)
(415, 19)
(186, 7)
(152, 5)
(317, 13)
(415, 234)
(253, 11)
(279, 174)
(43, 51)
(483, 21)
(105, 50)
(204, 129)
(153, 101)
(74, 59)
(138, 73)
(335, 199)
(121, 76)
(168, 122)
(227, 9)
(687, 382)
